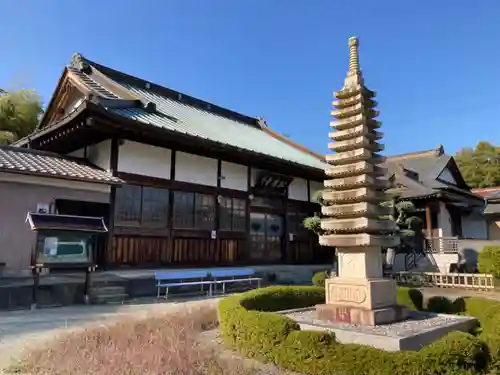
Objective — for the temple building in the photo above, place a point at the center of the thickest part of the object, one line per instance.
(179, 181)
(432, 180)
(492, 211)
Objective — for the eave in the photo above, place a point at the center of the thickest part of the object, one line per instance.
(60, 177)
(91, 123)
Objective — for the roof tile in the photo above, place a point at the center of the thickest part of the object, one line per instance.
(199, 119)
(21, 160)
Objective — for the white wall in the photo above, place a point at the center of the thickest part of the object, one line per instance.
(100, 153)
(234, 176)
(298, 189)
(444, 221)
(195, 169)
(143, 159)
(314, 187)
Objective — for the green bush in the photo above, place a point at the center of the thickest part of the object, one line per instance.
(318, 278)
(488, 261)
(247, 323)
(411, 298)
(440, 305)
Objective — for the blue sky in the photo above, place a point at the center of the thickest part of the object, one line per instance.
(433, 63)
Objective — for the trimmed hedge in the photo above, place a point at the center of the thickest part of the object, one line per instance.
(248, 324)
(488, 261)
(318, 278)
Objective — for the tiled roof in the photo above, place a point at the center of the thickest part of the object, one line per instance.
(176, 114)
(489, 193)
(428, 165)
(27, 161)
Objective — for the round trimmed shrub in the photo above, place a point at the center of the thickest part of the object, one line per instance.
(319, 278)
(247, 323)
(411, 298)
(440, 305)
(488, 261)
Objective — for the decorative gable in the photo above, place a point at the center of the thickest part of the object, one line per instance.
(446, 176)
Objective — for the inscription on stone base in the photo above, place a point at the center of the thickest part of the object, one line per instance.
(360, 316)
(354, 294)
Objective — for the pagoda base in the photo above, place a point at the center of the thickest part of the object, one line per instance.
(361, 316)
(361, 301)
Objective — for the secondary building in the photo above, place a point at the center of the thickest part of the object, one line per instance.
(448, 208)
(198, 184)
(44, 182)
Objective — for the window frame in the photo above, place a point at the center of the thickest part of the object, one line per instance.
(199, 213)
(231, 213)
(141, 222)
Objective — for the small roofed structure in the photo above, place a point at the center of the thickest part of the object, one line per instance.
(43, 221)
(353, 223)
(64, 242)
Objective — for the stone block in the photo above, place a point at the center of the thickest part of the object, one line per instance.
(368, 294)
(361, 316)
(418, 330)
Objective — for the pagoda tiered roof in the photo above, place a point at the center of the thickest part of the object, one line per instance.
(353, 196)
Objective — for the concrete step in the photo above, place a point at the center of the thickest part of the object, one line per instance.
(108, 294)
(109, 299)
(107, 290)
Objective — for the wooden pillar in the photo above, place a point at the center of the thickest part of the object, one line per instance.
(36, 286)
(218, 242)
(113, 168)
(248, 241)
(428, 219)
(170, 215)
(285, 248)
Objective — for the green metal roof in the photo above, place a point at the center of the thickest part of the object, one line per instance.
(179, 116)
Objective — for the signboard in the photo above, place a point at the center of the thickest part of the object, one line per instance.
(271, 183)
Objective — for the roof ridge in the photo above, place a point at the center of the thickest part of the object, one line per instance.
(436, 152)
(173, 94)
(294, 144)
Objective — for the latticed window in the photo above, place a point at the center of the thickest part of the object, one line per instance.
(128, 205)
(154, 206)
(194, 210)
(232, 214)
(141, 206)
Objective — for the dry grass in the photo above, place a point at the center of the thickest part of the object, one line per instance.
(158, 345)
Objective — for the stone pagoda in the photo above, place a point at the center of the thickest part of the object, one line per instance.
(353, 221)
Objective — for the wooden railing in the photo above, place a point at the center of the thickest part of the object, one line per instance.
(443, 245)
(446, 280)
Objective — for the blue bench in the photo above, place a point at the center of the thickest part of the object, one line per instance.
(234, 276)
(166, 279)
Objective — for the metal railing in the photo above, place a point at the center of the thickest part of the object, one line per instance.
(443, 245)
(478, 281)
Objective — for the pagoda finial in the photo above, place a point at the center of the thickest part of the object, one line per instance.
(353, 54)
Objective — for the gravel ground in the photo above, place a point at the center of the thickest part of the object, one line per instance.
(417, 322)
